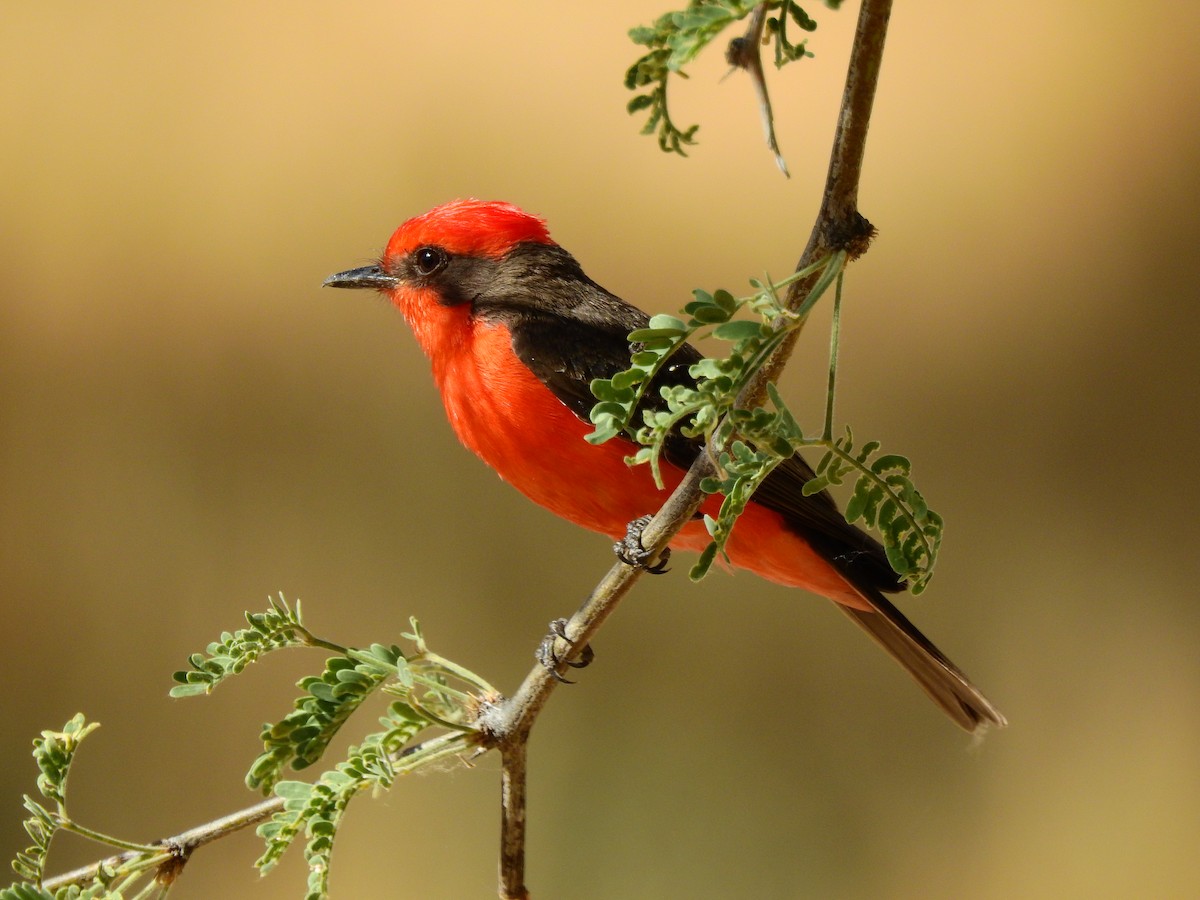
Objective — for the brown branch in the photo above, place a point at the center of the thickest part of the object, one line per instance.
(512, 825)
(506, 726)
(177, 849)
(838, 226)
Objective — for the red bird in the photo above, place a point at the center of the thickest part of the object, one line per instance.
(516, 332)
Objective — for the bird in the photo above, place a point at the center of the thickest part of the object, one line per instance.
(515, 332)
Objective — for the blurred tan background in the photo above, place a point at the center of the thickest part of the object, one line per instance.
(188, 424)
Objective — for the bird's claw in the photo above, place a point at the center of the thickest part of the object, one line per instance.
(550, 660)
(630, 551)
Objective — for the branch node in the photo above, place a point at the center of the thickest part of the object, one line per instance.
(169, 871)
(852, 233)
(490, 722)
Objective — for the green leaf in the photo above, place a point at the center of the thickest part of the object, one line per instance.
(858, 502)
(814, 486)
(897, 559)
(709, 315)
(607, 409)
(602, 389)
(668, 325)
(704, 563)
(642, 35)
(190, 690)
(293, 790)
(638, 103)
(890, 462)
(622, 382)
(740, 330)
(726, 301)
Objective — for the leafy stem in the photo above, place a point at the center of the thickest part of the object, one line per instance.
(719, 381)
(886, 499)
(747, 444)
(279, 627)
(424, 659)
(835, 331)
(54, 752)
(676, 38)
(69, 824)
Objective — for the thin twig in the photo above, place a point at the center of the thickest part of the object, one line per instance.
(745, 52)
(839, 226)
(176, 850)
(178, 847)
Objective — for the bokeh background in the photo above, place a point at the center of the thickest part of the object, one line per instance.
(188, 424)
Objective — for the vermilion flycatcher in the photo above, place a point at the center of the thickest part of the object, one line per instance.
(516, 332)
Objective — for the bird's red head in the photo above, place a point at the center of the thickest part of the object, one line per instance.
(438, 263)
(468, 228)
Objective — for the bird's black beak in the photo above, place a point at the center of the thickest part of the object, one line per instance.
(365, 277)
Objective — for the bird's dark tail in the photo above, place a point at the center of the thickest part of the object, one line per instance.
(948, 687)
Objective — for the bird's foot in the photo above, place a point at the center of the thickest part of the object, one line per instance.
(631, 552)
(550, 660)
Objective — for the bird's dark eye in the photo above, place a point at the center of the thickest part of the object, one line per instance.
(427, 260)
